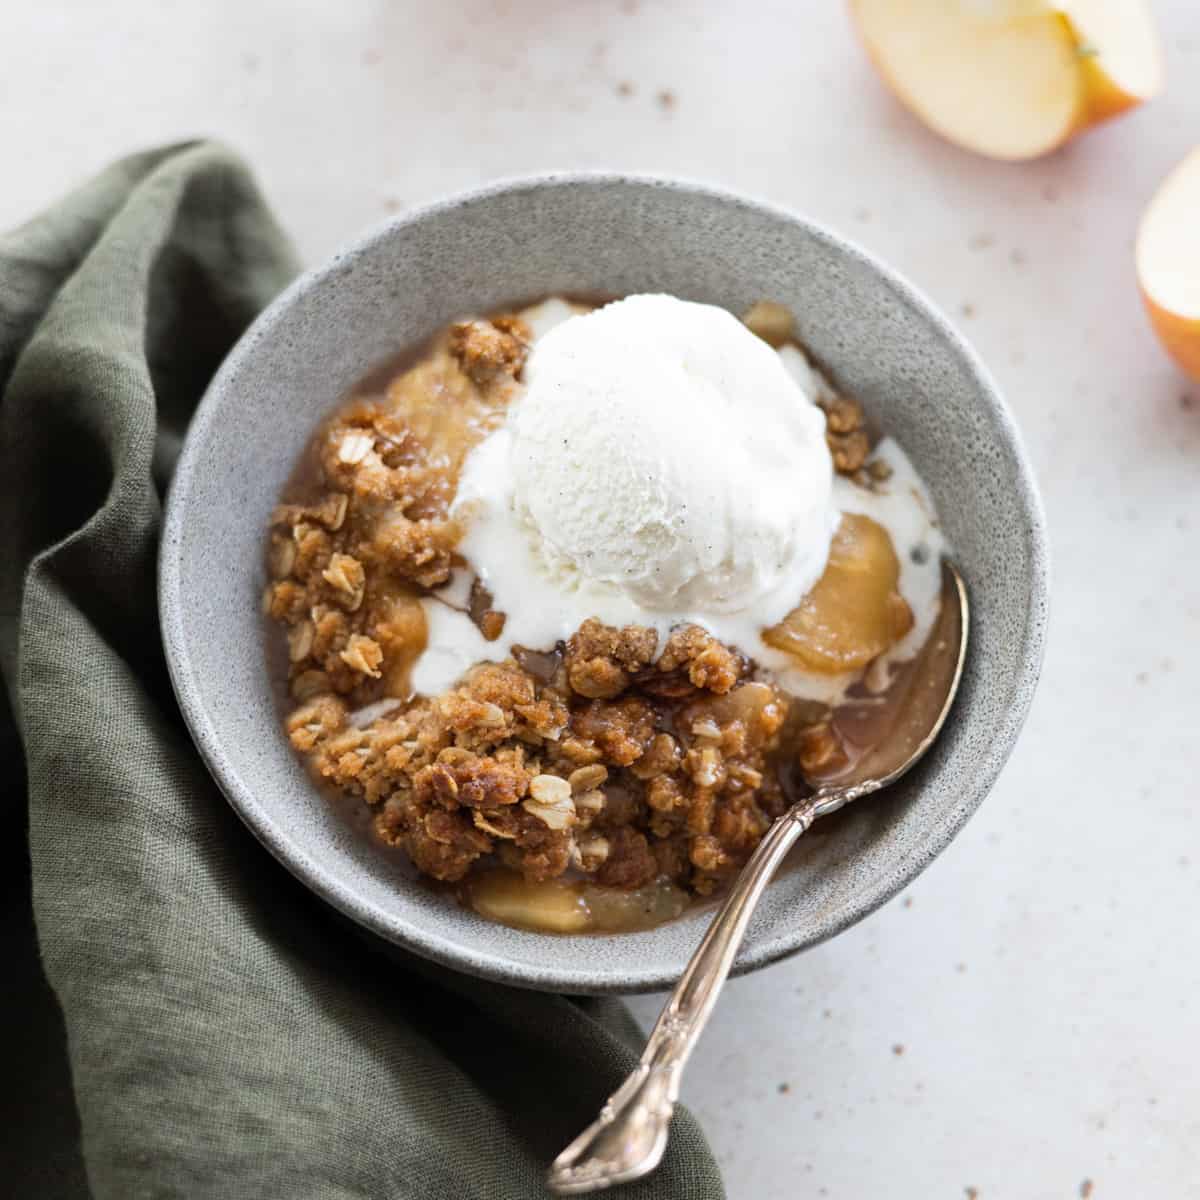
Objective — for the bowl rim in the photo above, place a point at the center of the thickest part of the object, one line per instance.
(395, 929)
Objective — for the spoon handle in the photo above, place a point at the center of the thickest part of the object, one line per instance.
(628, 1138)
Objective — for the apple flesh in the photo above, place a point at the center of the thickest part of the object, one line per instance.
(1168, 263)
(855, 611)
(1013, 79)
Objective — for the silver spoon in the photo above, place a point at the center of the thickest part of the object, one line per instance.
(628, 1138)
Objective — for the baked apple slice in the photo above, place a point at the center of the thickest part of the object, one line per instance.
(855, 612)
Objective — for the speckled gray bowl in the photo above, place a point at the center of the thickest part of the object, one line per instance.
(611, 235)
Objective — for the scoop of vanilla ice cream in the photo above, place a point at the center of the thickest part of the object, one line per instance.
(661, 466)
(662, 448)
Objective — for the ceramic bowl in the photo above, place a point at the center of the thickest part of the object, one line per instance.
(609, 235)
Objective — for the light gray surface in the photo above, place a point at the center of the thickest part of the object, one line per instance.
(595, 235)
(1059, 1052)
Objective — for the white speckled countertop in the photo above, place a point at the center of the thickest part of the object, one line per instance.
(1024, 1019)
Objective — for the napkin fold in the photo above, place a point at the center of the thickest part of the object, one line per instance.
(227, 1034)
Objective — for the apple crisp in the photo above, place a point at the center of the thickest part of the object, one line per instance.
(607, 757)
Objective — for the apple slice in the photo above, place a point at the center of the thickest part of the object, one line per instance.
(1013, 79)
(854, 611)
(1168, 263)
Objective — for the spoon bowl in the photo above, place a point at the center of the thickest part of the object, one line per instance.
(919, 701)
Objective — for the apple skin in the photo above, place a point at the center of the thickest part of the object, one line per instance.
(1103, 100)
(1180, 336)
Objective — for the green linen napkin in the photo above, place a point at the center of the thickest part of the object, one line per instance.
(227, 1034)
